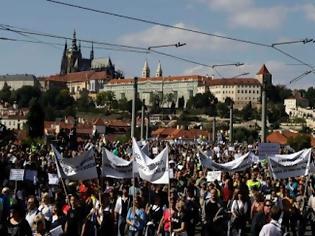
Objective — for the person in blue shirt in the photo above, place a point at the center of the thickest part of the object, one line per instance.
(136, 218)
(292, 187)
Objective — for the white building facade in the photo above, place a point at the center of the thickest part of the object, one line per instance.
(18, 81)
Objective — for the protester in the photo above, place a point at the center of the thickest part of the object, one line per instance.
(274, 227)
(236, 203)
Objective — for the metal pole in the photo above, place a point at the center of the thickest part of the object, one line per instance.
(263, 112)
(147, 127)
(133, 115)
(142, 120)
(231, 123)
(213, 130)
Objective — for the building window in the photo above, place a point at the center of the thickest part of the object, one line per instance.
(238, 91)
(122, 95)
(249, 91)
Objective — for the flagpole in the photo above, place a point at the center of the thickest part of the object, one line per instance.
(59, 173)
(169, 191)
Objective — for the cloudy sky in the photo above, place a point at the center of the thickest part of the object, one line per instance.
(263, 22)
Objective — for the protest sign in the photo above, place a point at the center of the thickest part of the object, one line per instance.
(268, 149)
(30, 175)
(213, 175)
(17, 174)
(53, 179)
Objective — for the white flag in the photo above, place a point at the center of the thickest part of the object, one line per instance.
(152, 170)
(292, 165)
(115, 167)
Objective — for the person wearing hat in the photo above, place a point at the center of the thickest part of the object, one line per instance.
(17, 224)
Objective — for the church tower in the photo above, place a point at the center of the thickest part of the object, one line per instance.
(64, 61)
(146, 70)
(159, 72)
(92, 53)
(263, 75)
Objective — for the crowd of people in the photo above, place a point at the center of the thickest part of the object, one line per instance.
(250, 202)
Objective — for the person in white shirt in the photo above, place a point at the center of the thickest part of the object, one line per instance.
(121, 209)
(31, 210)
(274, 227)
(45, 208)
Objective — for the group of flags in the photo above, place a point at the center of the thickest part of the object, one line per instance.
(156, 170)
(83, 167)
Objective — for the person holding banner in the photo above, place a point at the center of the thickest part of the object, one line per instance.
(136, 218)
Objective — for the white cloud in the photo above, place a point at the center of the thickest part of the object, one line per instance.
(259, 18)
(228, 5)
(244, 14)
(158, 35)
(309, 10)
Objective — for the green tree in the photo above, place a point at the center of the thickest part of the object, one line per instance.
(85, 102)
(122, 104)
(247, 112)
(242, 134)
(310, 95)
(25, 94)
(170, 98)
(107, 99)
(278, 93)
(138, 105)
(222, 110)
(181, 103)
(206, 101)
(5, 93)
(300, 142)
(35, 119)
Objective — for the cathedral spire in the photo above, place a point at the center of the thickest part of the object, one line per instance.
(65, 49)
(74, 41)
(92, 52)
(146, 70)
(159, 72)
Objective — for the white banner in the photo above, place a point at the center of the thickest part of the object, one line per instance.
(17, 174)
(242, 163)
(152, 170)
(292, 165)
(115, 167)
(53, 179)
(81, 167)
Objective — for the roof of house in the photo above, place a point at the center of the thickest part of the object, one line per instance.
(173, 133)
(80, 76)
(263, 70)
(17, 77)
(159, 79)
(99, 122)
(233, 81)
(282, 137)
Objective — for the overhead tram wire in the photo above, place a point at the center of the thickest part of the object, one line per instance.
(158, 23)
(180, 28)
(6, 28)
(60, 44)
(141, 49)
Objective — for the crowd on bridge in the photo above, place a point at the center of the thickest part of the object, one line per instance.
(247, 202)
